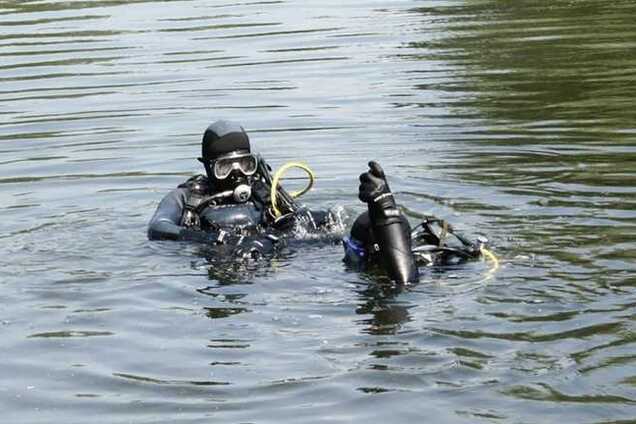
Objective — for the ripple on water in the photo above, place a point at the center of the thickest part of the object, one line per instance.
(510, 120)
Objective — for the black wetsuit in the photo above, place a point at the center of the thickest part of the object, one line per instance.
(248, 227)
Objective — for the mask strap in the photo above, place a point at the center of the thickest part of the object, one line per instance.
(208, 170)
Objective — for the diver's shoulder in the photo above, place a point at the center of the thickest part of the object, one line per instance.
(196, 180)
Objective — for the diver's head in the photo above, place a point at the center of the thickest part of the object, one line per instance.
(226, 155)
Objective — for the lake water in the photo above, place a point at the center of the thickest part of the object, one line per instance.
(516, 120)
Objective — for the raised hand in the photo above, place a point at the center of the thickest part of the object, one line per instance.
(391, 230)
(373, 184)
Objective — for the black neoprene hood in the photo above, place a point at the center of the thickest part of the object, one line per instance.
(223, 137)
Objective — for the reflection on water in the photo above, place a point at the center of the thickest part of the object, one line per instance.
(385, 311)
(511, 119)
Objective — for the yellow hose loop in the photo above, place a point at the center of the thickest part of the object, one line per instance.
(277, 176)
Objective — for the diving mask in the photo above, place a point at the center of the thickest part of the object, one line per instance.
(247, 163)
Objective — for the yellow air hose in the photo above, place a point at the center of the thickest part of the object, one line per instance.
(277, 176)
(494, 267)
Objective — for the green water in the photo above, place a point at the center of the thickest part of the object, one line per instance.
(511, 119)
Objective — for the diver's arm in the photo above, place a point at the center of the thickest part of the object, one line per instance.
(391, 230)
(165, 223)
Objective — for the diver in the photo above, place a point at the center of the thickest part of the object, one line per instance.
(231, 205)
(382, 235)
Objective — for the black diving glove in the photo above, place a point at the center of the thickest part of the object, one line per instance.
(375, 192)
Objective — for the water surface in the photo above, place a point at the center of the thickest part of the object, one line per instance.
(510, 119)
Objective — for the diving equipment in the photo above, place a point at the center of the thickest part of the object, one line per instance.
(242, 193)
(234, 217)
(246, 163)
(435, 246)
(190, 216)
(285, 203)
(275, 189)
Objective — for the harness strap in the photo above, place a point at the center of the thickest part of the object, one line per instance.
(447, 229)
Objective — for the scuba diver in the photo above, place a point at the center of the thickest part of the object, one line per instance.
(233, 205)
(239, 207)
(382, 235)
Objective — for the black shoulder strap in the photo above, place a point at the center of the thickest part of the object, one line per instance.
(196, 189)
(199, 179)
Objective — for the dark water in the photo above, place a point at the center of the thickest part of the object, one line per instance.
(512, 119)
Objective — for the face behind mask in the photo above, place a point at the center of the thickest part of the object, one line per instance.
(244, 164)
(234, 173)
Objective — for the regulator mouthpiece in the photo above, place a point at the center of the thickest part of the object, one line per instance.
(242, 193)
